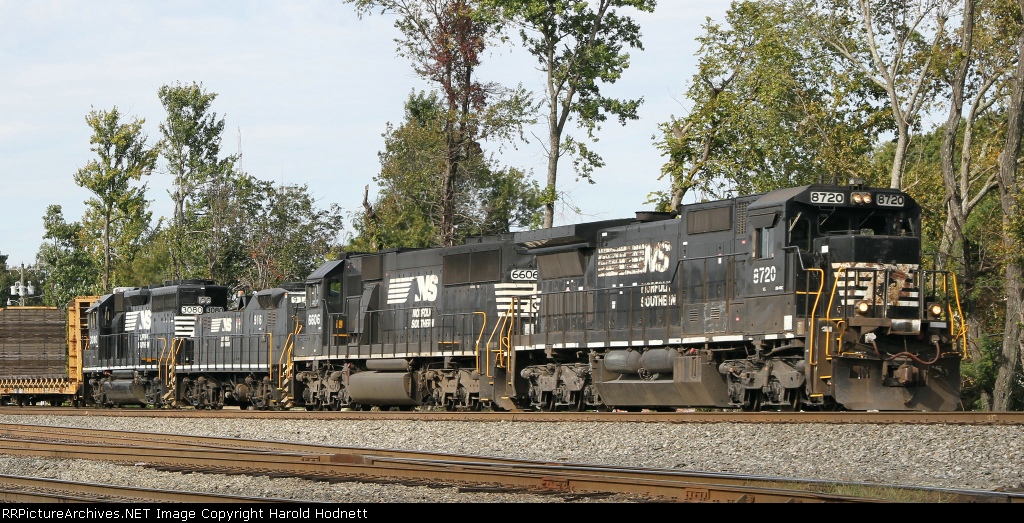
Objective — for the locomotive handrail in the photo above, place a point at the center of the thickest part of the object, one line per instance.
(270, 356)
(813, 327)
(828, 311)
(504, 341)
(161, 363)
(962, 335)
(288, 349)
(476, 348)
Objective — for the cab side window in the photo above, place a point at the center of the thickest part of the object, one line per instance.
(764, 239)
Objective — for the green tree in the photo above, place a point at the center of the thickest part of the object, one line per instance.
(579, 45)
(70, 269)
(122, 158)
(408, 210)
(191, 145)
(895, 45)
(287, 237)
(445, 39)
(770, 110)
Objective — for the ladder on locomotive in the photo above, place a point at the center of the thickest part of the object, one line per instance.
(286, 364)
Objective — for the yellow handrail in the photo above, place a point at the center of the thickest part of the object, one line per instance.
(813, 328)
(476, 348)
(828, 311)
(507, 318)
(962, 335)
(285, 358)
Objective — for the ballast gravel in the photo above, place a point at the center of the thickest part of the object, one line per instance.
(985, 457)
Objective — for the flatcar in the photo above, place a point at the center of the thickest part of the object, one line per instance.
(41, 353)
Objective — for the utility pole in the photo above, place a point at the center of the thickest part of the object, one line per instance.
(21, 290)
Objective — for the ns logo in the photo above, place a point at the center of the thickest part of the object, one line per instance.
(424, 288)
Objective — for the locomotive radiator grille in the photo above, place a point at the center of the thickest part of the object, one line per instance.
(894, 285)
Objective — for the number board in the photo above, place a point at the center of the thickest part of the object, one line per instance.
(827, 197)
(524, 274)
(890, 199)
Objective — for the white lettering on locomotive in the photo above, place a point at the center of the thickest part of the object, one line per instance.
(399, 288)
(422, 318)
(640, 258)
(657, 294)
(764, 274)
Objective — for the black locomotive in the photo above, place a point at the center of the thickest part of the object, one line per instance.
(137, 337)
(811, 297)
(808, 297)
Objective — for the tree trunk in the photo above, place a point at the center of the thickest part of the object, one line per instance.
(952, 232)
(900, 158)
(106, 252)
(1010, 197)
(554, 151)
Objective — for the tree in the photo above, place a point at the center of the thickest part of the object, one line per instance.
(191, 145)
(445, 39)
(287, 237)
(71, 270)
(123, 157)
(408, 210)
(893, 44)
(770, 110)
(579, 45)
(1011, 193)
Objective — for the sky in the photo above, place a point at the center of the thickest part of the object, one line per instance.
(306, 89)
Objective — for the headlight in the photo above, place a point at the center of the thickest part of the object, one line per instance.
(860, 197)
(935, 310)
(863, 307)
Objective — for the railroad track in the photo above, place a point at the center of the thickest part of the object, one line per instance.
(955, 418)
(332, 464)
(21, 489)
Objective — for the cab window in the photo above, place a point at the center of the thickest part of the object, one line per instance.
(764, 238)
(334, 291)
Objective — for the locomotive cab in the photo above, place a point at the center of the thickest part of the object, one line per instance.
(326, 321)
(884, 332)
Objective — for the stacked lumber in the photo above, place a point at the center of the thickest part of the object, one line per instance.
(33, 343)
